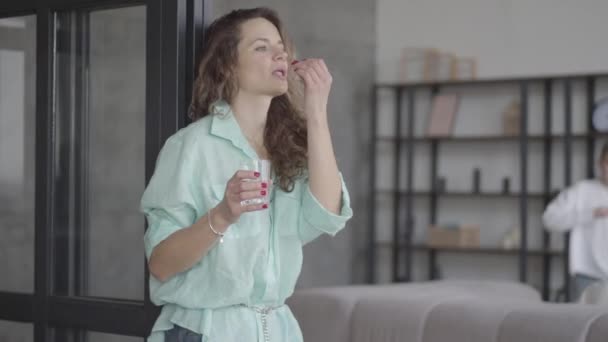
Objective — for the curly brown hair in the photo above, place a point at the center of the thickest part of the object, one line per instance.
(285, 134)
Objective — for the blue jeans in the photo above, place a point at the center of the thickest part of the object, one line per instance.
(579, 283)
(179, 334)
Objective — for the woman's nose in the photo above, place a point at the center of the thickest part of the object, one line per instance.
(280, 55)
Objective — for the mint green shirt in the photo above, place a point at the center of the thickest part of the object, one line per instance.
(261, 257)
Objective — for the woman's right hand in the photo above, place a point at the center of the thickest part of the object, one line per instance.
(244, 185)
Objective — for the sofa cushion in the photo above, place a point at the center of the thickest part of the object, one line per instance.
(326, 314)
(400, 319)
(472, 319)
(598, 329)
(549, 323)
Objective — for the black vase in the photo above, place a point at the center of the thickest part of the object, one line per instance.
(506, 185)
(476, 180)
(440, 185)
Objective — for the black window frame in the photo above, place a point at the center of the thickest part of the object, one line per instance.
(174, 30)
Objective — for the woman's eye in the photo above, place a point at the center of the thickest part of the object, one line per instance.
(260, 48)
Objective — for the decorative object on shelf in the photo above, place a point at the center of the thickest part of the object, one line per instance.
(464, 68)
(440, 185)
(441, 117)
(417, 64)
(511, 238)
(506, 185)
(443, 66)
(600, 115)
(476, 180)
(462, 236)
(424, 64)
(511, 119)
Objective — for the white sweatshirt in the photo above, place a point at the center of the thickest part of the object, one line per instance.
(572, 210)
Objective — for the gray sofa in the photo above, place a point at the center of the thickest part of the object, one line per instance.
(467, 311)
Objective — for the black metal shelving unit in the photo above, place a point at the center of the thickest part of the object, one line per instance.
(401, 246)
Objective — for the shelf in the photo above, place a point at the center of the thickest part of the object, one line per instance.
(485, 81)
(485, 250)
(543, 144)
(471, 250)
(535, 195)
(491, 138)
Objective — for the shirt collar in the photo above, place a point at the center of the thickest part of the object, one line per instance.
(225, 126)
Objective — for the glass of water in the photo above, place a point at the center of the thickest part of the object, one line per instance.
(263, 167)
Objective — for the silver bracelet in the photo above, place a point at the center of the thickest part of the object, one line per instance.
(221, 235)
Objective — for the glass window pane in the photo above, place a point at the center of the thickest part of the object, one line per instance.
(17, 152)
(100, 104)
(16, 332)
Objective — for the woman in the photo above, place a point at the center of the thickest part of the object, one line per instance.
(243, 110)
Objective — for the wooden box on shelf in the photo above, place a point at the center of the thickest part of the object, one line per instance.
(463, 236)
(464, 68)
(511, 119)
(417, 64)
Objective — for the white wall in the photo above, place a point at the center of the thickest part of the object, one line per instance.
(508, 37)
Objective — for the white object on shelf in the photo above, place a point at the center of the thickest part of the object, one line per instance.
(511, 239)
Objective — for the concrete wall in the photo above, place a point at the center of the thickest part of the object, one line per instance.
(341, 32)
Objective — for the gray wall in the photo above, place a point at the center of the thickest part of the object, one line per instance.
(343, 33)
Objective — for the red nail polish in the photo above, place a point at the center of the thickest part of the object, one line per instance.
(256, 174)
(265, 206)
(264, 185)
(263, 192)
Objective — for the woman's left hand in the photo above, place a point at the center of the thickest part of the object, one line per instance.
(317, 82)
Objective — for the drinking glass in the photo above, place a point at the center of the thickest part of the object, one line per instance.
(263, 167)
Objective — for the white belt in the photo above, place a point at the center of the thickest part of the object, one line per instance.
(263, 311)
